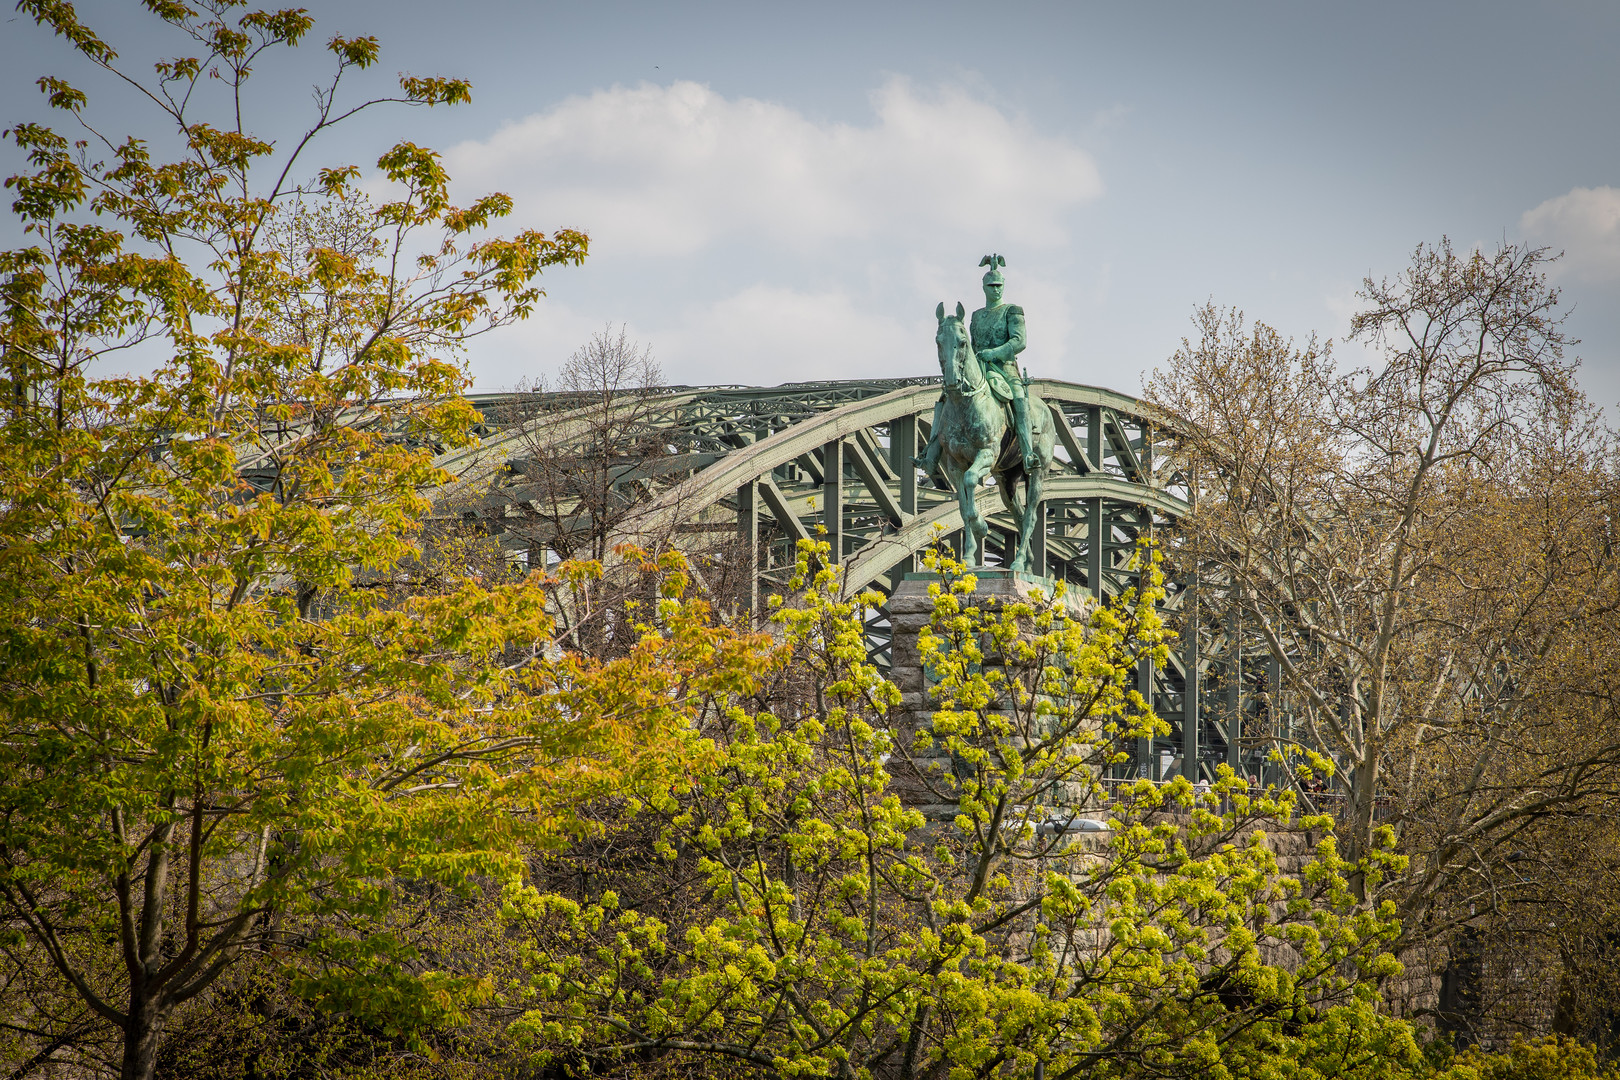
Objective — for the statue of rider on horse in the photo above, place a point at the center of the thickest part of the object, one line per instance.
(998, 337)
(987, 422)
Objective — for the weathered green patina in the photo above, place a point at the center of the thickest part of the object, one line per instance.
(972, 437)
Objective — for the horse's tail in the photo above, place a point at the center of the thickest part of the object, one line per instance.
(1010, 458)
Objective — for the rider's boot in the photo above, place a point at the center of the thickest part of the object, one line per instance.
(1025, 443)
(928, 460)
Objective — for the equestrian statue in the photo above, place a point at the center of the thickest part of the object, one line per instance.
(987, 422)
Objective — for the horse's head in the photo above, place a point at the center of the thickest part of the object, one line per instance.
(954, 344)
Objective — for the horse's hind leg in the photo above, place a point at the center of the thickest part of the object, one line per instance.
(1027, 521)
(1008, 482)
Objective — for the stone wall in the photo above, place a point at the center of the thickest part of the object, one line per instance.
(910, 608)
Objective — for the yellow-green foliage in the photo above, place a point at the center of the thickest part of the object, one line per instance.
(224, 729)
(1550, 1058)
(832, 930)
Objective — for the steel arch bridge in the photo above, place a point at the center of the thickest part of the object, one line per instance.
(772, 466)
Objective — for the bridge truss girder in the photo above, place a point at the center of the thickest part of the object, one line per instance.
(772, 466)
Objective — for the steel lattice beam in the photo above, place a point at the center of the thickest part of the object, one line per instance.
(773, 464)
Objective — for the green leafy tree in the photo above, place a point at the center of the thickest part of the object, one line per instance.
(224, 734)
(811, 923)
(1549, 1058)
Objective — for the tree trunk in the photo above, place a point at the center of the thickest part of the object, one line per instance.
(1363, 791)
(141, 1032)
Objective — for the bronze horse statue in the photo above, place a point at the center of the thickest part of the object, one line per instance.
(976, 440)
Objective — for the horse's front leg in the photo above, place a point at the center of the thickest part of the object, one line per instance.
(951, 466)
(1034, 482)
(974, 527)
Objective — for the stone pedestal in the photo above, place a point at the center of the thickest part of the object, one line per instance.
(910, 607)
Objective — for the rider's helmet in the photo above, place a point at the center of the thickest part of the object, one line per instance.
(993, 276)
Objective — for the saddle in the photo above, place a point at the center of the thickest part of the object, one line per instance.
(998, 384)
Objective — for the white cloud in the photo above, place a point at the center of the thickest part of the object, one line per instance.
(759, 336)
(766, 335)
(672, 170)
(1585, 224)
(535, 348)
(747, 242)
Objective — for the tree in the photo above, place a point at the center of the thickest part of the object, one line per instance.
(584, 483)
(586, 459)
(222, 732)
(1419, 546)
(585, 463)
(809, 923)
(1513, 806)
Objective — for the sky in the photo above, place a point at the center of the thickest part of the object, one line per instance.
(778, 192)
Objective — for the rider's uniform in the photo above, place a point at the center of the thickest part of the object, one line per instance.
(998, 338)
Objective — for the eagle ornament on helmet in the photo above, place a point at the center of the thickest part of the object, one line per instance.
(993, 276)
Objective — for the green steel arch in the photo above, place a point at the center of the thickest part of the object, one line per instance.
(769, 466)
